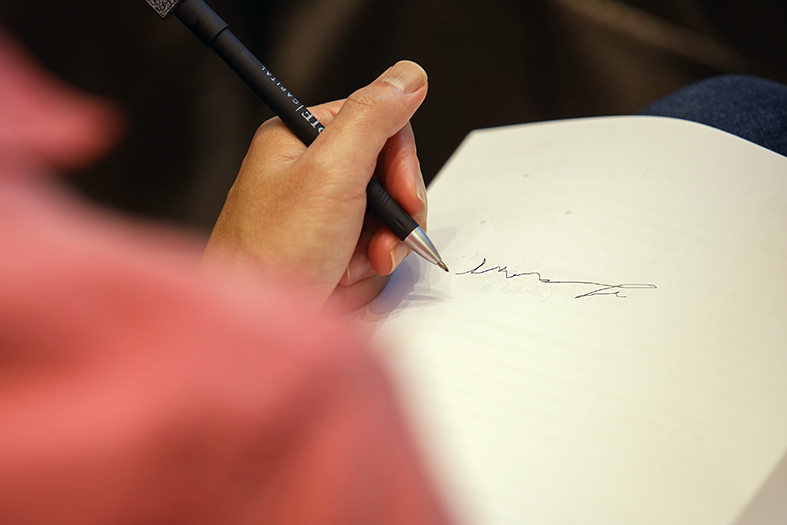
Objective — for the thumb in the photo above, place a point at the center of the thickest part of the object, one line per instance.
(357, 134)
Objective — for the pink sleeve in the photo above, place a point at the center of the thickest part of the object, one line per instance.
(132, 392)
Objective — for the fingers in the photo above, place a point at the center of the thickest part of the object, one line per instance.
(350, 145)
(348, 298)
(326, 112)
(400, 173)
(300, 212)
(274, 138)
(373, 114)
(360, 267)
(371, 129)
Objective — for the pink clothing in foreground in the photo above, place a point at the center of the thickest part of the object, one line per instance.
(133, 392)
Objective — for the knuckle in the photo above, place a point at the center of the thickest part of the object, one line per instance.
(269, 125)
(363, 100)
(266, 128)
(273, 138)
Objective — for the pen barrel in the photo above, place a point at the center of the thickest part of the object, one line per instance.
(379, 202)
(289, 109)
(213, 32)
(199, 17)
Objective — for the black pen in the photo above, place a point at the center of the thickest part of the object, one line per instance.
(213, 32)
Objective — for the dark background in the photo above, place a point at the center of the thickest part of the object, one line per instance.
(490, 63)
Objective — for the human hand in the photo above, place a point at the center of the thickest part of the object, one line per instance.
(298, 213)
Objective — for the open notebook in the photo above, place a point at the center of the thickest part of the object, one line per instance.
(610, 346)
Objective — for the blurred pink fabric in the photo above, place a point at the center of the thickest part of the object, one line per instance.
(132, 391)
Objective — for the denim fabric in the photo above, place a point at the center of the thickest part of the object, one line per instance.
(749, 107)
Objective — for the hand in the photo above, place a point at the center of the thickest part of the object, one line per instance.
(298, 214)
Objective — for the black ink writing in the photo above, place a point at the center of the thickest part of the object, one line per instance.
(598, 288)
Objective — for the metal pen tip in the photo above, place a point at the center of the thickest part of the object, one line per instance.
(420, 244)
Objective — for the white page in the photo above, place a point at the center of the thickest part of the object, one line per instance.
(534, 406)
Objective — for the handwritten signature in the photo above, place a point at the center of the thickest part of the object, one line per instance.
(598, 288)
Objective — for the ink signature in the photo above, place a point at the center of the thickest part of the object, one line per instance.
(598, 288)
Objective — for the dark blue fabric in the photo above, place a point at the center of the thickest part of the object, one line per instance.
(752, 108)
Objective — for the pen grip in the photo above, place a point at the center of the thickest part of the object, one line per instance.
(379, 202)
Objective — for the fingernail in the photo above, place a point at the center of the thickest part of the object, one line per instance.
(405, 76)
(399, 252)
(356, 269)
(421, 192)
